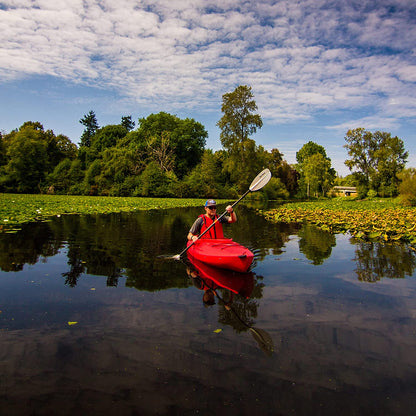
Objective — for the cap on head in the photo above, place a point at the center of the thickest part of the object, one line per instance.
(210, 203)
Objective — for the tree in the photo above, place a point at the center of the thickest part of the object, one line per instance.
(289, 177)
(187, 139)
(127, 123)
(206, 179)
(390, 158)
(156, 183)
(27, 159)
(377, 158)
(104, 138)
(30, 154)
(118, 172)
(59, 181)
(315, 170)
(161, 152)
(91, 126)
(407, 187)
(318, 174)
(361, 147)
(2, 151)
(238, 123)
(308, 150)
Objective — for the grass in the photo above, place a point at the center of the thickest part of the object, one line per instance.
(376, 219)
(17, 209)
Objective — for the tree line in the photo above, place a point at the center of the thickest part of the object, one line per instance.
(166, 156)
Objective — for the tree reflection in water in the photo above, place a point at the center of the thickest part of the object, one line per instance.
(128, 245)
(376, 260)
(316, 244)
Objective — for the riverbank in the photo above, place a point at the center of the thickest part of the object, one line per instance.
(376, 219)
(17, 209)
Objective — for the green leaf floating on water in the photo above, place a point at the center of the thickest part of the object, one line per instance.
(382, 219)
(217, 331)
(16, 209)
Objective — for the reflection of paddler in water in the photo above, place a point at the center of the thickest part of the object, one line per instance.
(209, 288)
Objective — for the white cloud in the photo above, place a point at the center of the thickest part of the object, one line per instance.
(300, 57)
(368, 123)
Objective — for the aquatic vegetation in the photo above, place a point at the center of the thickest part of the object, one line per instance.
(378, 219)
(16, 209)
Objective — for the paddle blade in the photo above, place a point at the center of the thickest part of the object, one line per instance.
(169, 257)
(264, 340)
(260, 180)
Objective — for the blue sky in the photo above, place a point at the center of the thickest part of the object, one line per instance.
(316, 67)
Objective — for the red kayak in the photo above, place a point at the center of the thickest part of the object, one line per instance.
(241, 283)
(222, 252)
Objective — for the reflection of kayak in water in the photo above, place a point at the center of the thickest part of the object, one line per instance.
(221, 252)
(240, 283)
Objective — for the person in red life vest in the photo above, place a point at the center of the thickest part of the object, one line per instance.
(210, 216)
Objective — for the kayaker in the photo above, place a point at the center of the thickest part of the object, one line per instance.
(205, 220)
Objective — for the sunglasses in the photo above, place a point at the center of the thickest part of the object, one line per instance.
(212, 208)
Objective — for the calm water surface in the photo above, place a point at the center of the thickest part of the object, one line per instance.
(93, 322)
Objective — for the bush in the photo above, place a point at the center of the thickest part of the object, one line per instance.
(276, 190)
(371, 194)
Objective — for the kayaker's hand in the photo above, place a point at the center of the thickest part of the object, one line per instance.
(229, 209)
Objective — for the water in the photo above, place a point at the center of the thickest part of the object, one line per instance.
(93, 322)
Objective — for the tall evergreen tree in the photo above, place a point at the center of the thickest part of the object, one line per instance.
(91, 126)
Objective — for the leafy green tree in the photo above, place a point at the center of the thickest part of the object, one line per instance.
(76, 174)
(2, 151)
(59, 181)
(105, 138)
(282, 170)
(187, 140)
(391, 159)
(315, 170)
(361, 147)
(309, 149)
(154, 182)
(91, 126)
(117, 174)
(238, 123)
(206, 179)
(275, 189)
(91, 183)
(377, 158)
(289, 177)
(407, 187)
(27, 160)
(30, 154)
(318, 174)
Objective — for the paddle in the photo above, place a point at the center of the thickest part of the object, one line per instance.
(262, 337)
(259, 182)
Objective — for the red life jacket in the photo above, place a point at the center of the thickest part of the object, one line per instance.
(215, 231)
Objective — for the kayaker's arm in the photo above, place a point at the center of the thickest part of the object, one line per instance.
(195, 230)
(233, 217)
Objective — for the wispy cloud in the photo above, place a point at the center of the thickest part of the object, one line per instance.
(301, 57)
